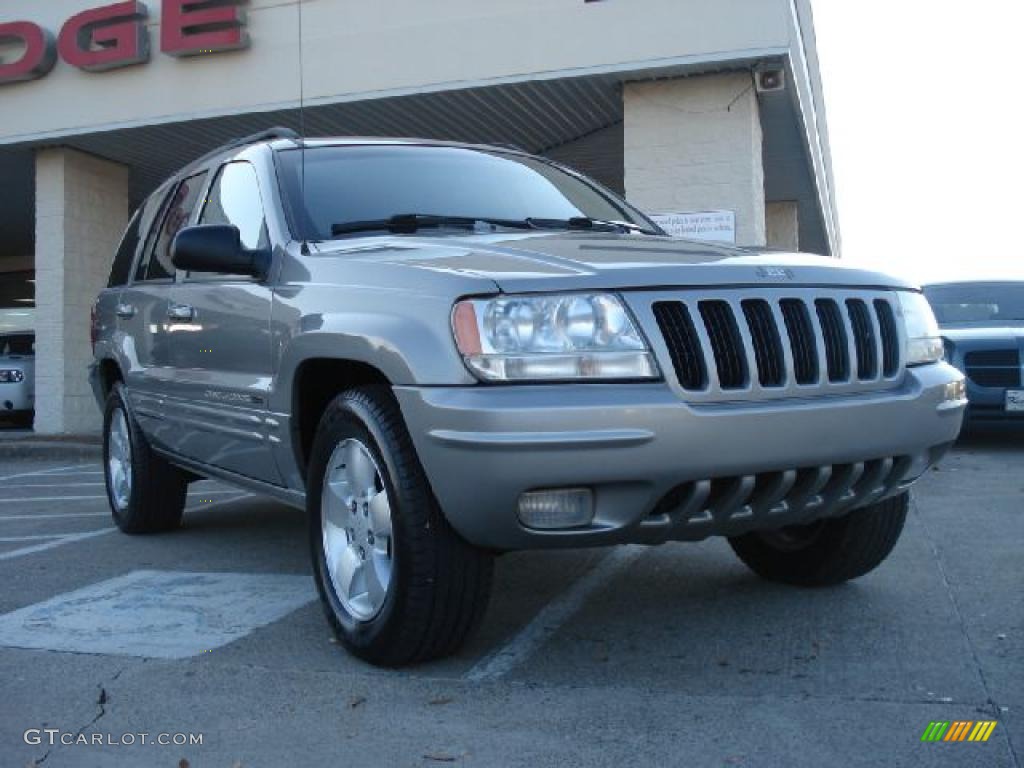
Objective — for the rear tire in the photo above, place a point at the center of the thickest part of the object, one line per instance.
(145, 491)
(827, 552)
(402, 586)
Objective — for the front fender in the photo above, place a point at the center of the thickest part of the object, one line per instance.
(410, 346)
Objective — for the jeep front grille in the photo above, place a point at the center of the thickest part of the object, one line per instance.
(776, 343)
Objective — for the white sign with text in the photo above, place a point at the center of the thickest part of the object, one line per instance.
(709, 226)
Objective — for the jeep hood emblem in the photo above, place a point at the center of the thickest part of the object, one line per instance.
(776, 273)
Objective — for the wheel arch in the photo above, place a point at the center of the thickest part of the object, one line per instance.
(315, 382)
(109, 373)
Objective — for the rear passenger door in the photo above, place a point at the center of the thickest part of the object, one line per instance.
(223, 350)
(142, 309)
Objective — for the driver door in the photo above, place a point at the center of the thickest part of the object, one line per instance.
(221, 342)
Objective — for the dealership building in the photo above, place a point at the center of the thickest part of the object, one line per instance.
(707, 112)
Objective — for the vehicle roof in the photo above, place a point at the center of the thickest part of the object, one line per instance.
(240, 147)
(384, 141)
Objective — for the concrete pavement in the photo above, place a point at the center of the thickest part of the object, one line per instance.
(670, 656)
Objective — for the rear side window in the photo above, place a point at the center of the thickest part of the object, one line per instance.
(176, 214)
(150, 214)
(125, 255)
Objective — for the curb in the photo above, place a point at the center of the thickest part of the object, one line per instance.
(58, 450)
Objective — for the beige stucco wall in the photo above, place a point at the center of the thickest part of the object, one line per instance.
(694, 144)
(81, 211)
(357, 48)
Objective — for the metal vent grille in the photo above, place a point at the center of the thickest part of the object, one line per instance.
(732, 506)
(726, 344)
(837, 353)
(863, 339)
(767, 344)
(683, 343)
(890, 337)
(801, 340)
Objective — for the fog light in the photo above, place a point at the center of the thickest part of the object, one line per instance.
(554, 509)
(956, 391)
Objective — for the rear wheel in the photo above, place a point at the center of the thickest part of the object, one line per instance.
(146, 492)
(397, 583)
(826, 552)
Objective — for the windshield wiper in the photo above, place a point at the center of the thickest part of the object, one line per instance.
(410, 223)
(584, 224)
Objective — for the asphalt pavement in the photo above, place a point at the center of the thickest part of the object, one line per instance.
(675, 655)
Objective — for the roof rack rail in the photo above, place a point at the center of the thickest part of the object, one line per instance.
(277, 132)
(508, 145)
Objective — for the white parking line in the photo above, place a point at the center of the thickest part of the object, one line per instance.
(41, 472)
(50, 516)
(54, 515)
(192, 488)
(91, 473)
(95, 498)
(51, 485)
(56, 543)
(90, 466)
(73, 537)
(534, 635)
(34, 537)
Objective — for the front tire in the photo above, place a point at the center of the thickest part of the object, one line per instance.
(397, 583)
(827, 552)
(146, 492)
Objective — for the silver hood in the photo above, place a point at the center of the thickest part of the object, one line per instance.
(544, 261)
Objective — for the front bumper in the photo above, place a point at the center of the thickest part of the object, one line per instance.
(655, 462)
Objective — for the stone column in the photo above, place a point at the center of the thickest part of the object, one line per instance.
(694, 144)
(82, 208)
(783, 225)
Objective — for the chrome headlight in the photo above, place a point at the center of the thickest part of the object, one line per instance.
(924, 344)
(11, 376)
(550, 338)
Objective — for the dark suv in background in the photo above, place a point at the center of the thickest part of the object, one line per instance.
(982, 325)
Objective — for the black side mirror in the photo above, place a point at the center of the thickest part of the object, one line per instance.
(217, 248)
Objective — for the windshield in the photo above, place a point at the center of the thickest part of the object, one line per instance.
(977, 303)
(347, 185)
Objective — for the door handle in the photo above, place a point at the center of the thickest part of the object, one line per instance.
(124, 310)
(181, 312)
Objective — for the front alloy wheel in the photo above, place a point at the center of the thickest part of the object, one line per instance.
(397, 583)
(356, 526)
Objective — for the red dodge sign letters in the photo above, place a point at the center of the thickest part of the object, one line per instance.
(115, 36)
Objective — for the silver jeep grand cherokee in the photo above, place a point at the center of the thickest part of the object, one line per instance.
(443, 352)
